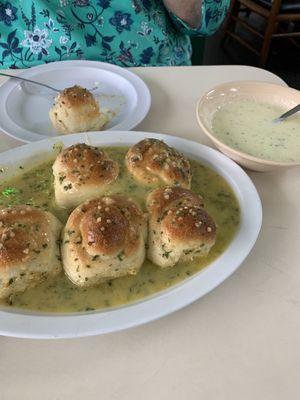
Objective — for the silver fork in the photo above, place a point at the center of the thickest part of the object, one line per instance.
(287, 114)
(39, 83)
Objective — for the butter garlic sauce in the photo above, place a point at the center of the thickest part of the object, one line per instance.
(35, 187)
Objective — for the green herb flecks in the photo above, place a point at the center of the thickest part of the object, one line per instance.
(10, 191)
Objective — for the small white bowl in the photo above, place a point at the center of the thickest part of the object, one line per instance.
(263, 92)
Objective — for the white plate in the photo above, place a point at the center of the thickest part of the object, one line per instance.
(37, 325)
(24, 109)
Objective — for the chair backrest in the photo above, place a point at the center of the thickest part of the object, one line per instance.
(276, 4)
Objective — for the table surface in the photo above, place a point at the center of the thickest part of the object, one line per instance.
(241, 341)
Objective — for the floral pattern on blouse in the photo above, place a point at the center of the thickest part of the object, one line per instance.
(127, 33)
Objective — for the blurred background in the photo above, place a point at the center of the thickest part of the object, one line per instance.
(261, 33)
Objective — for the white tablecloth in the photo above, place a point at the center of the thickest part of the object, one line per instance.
(240, 342)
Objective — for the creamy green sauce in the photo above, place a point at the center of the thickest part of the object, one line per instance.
(247, 126)
(35, 187)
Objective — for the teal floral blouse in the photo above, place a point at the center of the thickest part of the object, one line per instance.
(124, 32)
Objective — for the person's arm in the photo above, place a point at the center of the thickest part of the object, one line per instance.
(197, 17)
(187, 10)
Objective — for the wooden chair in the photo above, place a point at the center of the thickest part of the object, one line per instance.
(276, 13)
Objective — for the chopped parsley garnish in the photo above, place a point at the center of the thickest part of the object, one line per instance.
(121, 255)
(165, 253)
(68, 187)
(58, 146)
(9, 191)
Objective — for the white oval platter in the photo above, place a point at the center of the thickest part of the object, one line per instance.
(25, 324)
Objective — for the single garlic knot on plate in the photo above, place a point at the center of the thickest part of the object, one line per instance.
(76, 110)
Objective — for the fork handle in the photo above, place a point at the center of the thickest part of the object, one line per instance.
(289, 113)
(30, 81)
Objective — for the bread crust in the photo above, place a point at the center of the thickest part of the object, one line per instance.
(104, 239)
(82, 172)
(179, 227)
(76, 110)
(152, 161)
(29, 248)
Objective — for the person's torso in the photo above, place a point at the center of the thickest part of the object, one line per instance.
(127, 33)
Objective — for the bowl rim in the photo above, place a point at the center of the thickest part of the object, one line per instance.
(221, 144)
